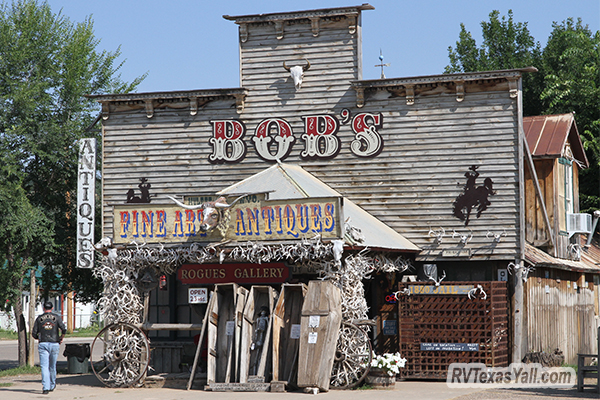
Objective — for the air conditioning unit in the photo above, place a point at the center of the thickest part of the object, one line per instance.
(579, 223)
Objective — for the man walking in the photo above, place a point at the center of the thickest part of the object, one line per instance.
(45, 329)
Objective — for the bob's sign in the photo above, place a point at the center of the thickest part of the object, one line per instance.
(274, 137)
(246, 220)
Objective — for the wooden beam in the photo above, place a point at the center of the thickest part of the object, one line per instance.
(200, 341)
(538, 191)
(169, 327)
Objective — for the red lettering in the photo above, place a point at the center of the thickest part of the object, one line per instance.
(124, 223)
(227, 142)
(283, 137)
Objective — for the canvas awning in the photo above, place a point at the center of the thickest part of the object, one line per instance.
(286, 181)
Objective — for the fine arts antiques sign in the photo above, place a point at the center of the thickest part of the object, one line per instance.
(256, 220)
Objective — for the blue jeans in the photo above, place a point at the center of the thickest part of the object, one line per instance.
(48, 355)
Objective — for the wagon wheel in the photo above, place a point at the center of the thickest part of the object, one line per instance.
(353, 357)
(125, 358)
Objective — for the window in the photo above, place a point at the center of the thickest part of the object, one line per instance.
(565, 192)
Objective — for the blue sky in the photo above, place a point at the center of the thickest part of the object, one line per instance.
(187, 45)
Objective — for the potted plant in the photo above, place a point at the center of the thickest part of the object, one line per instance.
(384, 369)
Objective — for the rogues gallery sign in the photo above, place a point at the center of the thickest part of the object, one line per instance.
(190, 274)
(251, 218)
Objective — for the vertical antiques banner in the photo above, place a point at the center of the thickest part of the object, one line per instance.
(86, 190)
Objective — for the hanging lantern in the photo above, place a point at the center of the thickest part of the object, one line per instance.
(162, 282)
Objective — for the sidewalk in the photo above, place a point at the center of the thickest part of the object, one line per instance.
(87, 387)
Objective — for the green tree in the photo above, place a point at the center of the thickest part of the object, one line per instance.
(571, 61)
(47, 65)
(568, 79)
(25, 234)
(506, 45)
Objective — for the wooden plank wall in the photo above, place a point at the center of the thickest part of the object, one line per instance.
(411, 185)
(535, 225)
(429, 148)
(562, 318)
(333, 65)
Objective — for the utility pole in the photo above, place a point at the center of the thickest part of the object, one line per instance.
(32, 301)
(70, 324)
(518, 307)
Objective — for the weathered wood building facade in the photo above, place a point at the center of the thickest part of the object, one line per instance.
(439, 159)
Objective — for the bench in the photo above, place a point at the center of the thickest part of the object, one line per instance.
(588, 371)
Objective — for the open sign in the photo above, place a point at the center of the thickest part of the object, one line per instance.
(198, 295)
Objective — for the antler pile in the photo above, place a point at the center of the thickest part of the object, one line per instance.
(122, 300)
(349, 278)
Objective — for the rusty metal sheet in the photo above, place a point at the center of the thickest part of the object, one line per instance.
(589, 262)
(547, 136)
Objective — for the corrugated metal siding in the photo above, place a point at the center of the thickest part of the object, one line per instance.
(547, 136)
(562, 318)
(411, 185)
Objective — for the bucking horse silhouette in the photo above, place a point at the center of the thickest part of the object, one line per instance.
(473, 196)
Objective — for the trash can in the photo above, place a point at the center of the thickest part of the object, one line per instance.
(78, 357)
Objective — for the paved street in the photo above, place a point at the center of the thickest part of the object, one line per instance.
(9, 352)
(87, 386)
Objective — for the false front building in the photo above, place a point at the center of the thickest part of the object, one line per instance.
(422, 177)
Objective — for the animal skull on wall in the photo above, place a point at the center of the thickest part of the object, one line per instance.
(211, 212)
(297, 73)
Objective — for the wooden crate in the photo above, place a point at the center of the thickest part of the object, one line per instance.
(165, 357)
(452, 321)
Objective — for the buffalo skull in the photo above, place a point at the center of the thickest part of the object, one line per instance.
(297, 73)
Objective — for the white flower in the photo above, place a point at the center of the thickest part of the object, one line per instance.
(390, 363)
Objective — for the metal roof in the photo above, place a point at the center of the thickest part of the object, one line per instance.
(287, 181)
(325, 12)
(439, 78)
(589, 262)
(547, 136)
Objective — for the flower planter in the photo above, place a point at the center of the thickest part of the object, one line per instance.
(379, 379)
